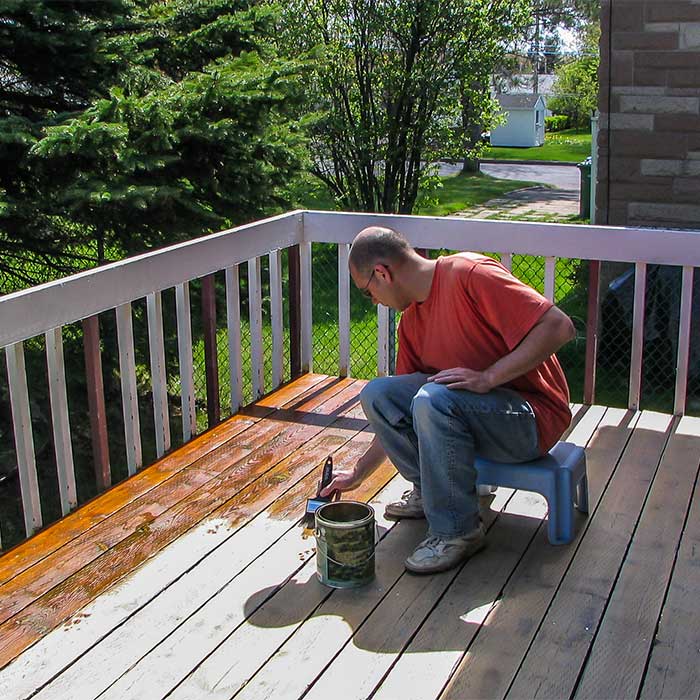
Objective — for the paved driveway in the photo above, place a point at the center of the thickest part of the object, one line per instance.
(565, 177)
(556, 195)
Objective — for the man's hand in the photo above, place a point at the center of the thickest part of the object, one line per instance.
(349, 479)
(343, 481)
(463, 378)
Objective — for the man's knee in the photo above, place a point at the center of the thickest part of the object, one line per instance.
(432, 399)
(375, 393)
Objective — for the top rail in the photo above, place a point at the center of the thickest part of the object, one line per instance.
(610, 243)
(30, 312)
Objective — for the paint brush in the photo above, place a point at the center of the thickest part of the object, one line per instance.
(313, 504)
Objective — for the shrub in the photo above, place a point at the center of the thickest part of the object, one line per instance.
(556, 122)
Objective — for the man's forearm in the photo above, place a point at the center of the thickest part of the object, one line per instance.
(370, 460)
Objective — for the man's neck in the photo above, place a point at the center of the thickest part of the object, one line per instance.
(421, 278)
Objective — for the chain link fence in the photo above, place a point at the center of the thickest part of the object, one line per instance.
(571, 295)
(363, 319)
(660, 340)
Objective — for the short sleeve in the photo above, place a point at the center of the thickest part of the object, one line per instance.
(506, 304)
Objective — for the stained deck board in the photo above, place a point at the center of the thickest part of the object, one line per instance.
(41, 545)
(48, 600)
(181, 615)
(617, 659)
(440, 644)
(368, 648)
(341, 404)
(227, 603)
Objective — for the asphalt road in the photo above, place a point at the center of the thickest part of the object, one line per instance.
(565, 177)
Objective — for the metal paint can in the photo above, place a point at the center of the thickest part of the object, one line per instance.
(345, 544)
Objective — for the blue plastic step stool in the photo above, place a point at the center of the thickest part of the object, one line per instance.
(559, 476)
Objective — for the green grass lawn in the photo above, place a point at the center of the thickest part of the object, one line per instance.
(460, 192)
(570, 145)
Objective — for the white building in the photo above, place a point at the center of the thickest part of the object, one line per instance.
(524, 124)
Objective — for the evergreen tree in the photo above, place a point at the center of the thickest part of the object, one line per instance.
(153, 121)
(50, 66)
(200, 132)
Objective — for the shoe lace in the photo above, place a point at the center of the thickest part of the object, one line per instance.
(410, 496)
(433, 542)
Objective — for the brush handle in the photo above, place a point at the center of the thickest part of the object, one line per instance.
(327, 475)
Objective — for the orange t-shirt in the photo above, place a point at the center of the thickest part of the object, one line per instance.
(475, 314)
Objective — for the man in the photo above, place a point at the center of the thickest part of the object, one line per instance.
(476, 373)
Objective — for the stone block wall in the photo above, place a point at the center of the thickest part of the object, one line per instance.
(649, 102)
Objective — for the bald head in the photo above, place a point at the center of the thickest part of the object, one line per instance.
(378, 244)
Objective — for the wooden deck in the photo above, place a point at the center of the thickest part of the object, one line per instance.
(193, 579)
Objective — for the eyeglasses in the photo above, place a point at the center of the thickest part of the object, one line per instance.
(365, 289)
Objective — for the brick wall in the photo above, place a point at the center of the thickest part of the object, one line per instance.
(649, 139)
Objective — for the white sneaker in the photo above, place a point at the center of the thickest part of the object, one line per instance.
(410, 506)
(437, 554)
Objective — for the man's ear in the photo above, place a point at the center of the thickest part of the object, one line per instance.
(385, 271)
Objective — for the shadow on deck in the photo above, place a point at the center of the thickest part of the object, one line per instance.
(194, 578)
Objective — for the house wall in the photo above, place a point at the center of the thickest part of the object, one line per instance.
(519, 130)
(649, 102)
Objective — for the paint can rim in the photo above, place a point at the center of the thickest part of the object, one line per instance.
(349, 525)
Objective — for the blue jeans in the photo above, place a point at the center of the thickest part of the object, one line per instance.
(432, 434)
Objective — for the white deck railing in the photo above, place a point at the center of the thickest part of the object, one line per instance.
(48, 308)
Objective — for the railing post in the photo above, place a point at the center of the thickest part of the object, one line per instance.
(684, 334)
(257, 358)
(382, 340)
(184, 353)
(592, 331)
(640, 281)
(130, 395)
(96, 402)
(159, 380)
(24, 439)
(276, 317)
(344, 309)
(307, 350)
(211, 358)
(391, 343)
(233, 324)
(294, 311)
(60, 420)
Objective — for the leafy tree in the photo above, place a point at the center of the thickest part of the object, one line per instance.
(387, 87)
(484, 54)
(576, 86)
